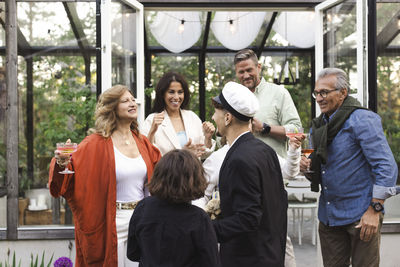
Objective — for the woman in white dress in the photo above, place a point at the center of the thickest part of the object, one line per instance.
(171, 125)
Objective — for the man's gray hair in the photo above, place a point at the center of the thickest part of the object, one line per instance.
(342, 81)
(245, 54)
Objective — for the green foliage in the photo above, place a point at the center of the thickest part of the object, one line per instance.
(63, 108)
(34, 260)
(13, 263)
(64, 101)
(389, 101)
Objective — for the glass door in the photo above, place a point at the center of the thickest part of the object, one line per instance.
(122, 36)
(341, 42)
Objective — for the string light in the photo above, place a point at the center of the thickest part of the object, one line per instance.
(232, 28)
(181, 27)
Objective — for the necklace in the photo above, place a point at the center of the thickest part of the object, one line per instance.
(125, 140)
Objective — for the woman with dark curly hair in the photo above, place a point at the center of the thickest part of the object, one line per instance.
(171, 125)
(165, 229)
(112, 167)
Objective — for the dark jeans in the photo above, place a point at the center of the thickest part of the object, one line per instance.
(341, 245)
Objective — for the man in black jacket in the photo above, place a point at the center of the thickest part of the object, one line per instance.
(253, 222)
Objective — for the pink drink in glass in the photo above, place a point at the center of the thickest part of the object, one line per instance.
(66, 149)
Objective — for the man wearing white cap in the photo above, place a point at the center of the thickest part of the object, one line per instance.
(253, 221)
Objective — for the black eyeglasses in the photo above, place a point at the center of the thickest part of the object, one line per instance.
(323, 93)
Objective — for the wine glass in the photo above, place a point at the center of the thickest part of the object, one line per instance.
(66, 149)
(296, 131)
(307, 148)
(198, 142)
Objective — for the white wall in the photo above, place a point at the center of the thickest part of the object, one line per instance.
(24, 248)
(390, 256)
(3, 212)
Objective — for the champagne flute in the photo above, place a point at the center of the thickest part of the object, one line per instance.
(307, 148)
(66, 150)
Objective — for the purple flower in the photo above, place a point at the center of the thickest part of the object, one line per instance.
(63, 262)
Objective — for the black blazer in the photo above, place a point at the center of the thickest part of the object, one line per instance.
(252, 228)
(162, 234)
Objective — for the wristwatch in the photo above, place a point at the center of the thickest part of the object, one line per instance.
(266, 129)
(377, 206)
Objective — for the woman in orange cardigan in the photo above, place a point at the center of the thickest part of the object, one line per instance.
(111, 169)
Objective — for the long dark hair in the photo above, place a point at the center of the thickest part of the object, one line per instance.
(178, 177)
(162, 87)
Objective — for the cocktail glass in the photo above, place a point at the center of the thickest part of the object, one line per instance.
(294, 132)
(66, 150)
(307, 148)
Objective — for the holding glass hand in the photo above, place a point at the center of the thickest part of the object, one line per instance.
(63, 155)
(306, 150)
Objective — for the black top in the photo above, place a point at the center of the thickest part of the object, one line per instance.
(173, 235)
(252, 228)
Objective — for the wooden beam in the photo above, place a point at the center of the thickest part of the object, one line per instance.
(12, 119)
(55, 1)
(372, 55)
(206, 33)
(202, 69)
(266, 34)
(230, 4)
(29, 117)
(278, 50)
(80, 36)
(76, 25)
(98, 49)
(388, 33)
(147, 73)
(53, 51)
(23, 44)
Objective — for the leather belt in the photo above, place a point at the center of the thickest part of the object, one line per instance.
(127, 205)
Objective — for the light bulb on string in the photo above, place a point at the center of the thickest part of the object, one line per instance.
(181, 26)
(232, 27)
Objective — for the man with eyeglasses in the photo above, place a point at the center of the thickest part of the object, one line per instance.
(356, 169)
(277, 111)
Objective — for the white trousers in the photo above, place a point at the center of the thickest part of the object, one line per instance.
(122, 221)
(290, 260)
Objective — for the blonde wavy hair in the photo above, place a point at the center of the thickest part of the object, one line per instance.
(106, 111)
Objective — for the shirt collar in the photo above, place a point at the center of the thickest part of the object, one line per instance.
(238, 138)
(327, 119)
(259, 86)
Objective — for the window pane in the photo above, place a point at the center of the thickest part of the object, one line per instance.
(340, 39)
(57, 96)
(388, 74)
(123, 45)
(47, 24)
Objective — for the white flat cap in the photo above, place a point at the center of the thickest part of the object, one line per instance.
(238, 100)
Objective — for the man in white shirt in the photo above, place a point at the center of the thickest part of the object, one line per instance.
(277, 111)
